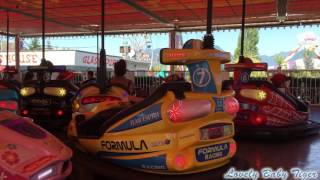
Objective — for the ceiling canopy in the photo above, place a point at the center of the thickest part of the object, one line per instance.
(73, 17)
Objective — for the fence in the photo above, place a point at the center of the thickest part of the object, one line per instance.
(305, 84)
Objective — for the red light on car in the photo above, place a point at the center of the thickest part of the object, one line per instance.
(98, 99)
(25, 112)
(187, 110)
(175, 112)
(231, 105)
(59, 113)
(9, 105)
(180, 161)
(233, 149)
(258, 120)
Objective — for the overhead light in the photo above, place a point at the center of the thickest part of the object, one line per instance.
(282, 10)
(176, 20)
(90, 25)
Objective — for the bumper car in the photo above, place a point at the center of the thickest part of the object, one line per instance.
(47, 100)
(29, 152)
(9, 93)
(181, 128)
(265, 110)
(9, 97)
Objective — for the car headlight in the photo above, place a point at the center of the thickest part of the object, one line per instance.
(55, 91)
(27, 91)
(256, 94)
(75, 106)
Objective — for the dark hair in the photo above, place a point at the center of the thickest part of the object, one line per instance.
(90, 73)
(46, 63)
(120, 67)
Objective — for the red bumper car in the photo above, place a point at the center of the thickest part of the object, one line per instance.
(267, 111)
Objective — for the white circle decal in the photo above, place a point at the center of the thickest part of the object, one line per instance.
(201, 77)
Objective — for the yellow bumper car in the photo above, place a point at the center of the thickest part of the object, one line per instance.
(181, 128)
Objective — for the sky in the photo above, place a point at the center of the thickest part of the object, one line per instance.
(272, 41)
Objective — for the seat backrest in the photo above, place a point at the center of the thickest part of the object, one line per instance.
(9, 85)
(9, 92)
(89, 89)
(178, 88)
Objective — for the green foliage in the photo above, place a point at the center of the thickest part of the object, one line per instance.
(35, 44)
(308, 56)
(279, 59)
(250, 49)
(259, 74)
(49, 46)
(304, 74)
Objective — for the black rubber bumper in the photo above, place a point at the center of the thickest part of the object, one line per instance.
(52, 123)
(88, 167)
(278, 133)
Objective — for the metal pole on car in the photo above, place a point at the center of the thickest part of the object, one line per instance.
(208, 42)
(7, 62)
(102, 69)
(242, 30)
(17, 55)
(43, 31)
(97, 70)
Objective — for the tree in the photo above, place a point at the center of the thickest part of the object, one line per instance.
(279, 59)
(251, 40)
(308, 56)
(49, 46)
(138, 44)
(35, 44)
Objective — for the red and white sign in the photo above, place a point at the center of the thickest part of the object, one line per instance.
(34, 58)
(91, 60)
(67, 58)
(25, 59)
(75, 58)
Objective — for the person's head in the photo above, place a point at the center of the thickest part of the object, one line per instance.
(120, 68)
(46, 63)
(279, 68)
(90, 74)
(44, 76)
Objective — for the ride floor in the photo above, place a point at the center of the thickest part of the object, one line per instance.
(303, 153)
